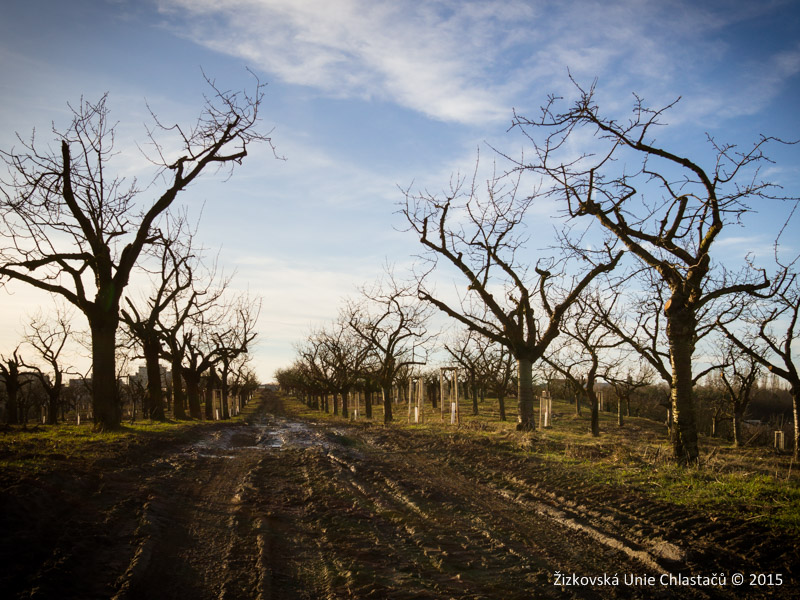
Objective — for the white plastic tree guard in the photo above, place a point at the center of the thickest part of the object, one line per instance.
(450, 375)
(416, 400)
(216, 402)
(545, 409)
(780, 444)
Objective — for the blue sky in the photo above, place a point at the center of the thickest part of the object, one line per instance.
(365, 96)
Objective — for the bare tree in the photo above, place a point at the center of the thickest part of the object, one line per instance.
(344, 354)
(584, 357)
(739, 378)
(72, 229)
(172, 279)
(626, 381)
(636, 317)
(392, 321)
(773, 325)
(48, 338)
(13, 381)
(466, 352)
(244, 381)
(664, 207)
(199, 357)
(482, 239)
(317, 370)
(499, 367)
(233, 338)
(192, 305)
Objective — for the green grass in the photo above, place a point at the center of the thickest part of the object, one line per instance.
(41, 448)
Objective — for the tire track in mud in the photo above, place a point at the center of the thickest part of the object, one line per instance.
(281, 508)
(662, 537)
(193, 524)
(404, 527)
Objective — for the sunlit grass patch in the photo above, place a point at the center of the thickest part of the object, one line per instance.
(38, 448)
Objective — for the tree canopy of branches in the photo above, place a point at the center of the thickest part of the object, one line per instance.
(583, 359)
(48, 338)
(232, 341)
(482, 238)
(173, 278)
(772, 326)
(393, 323)
(73, 229)
(665, 208)
(466, 351)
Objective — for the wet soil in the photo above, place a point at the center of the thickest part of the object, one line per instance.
(280, 507)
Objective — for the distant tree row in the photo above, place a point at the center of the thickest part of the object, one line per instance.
(73, 229)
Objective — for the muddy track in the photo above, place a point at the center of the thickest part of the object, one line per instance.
(279, 508)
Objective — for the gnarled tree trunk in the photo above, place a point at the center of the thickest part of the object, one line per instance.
(681, 327)
(525, 394)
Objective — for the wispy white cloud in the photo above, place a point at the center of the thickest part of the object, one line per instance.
(429, 57)
(470, 62)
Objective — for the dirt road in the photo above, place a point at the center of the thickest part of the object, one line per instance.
(281, 508)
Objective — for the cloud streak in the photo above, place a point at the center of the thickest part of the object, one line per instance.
(470, 62)
(430, 58)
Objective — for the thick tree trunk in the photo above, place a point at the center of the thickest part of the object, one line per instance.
(53, 397)
(345, 413)
(594, 406)
(525, 394)
(225, 413)
(193, 394)
(387, 402)
(368, 403)
(105, 398)
(12, 407)
(681, 333)
(474, 389)
(501, 401)
(178, 397)
(152, 351)
(620, 419)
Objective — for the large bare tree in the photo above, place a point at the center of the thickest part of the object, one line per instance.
(73, 229)
(507, 301)
(344, 355)
(665, 207)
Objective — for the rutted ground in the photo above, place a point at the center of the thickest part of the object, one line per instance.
(282, 508)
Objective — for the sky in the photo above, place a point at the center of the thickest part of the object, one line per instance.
(366, 98)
